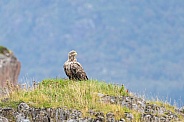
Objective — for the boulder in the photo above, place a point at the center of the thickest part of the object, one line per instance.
(9, 67)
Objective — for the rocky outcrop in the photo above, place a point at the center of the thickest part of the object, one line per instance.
(148, 112)
(9, 67)
(25, 113)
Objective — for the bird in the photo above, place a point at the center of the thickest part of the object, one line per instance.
(74, 69)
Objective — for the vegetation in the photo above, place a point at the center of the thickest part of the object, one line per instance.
(54, 93)
(82, 95)
(3, 50)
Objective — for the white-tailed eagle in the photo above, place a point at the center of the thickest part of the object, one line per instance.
(73, 69)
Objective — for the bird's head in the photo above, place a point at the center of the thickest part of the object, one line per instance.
(72, 55)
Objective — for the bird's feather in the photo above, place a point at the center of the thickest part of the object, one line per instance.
(73, 69)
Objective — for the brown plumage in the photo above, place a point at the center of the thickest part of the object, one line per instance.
(73, 69)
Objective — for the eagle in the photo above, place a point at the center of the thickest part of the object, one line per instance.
(73, 69)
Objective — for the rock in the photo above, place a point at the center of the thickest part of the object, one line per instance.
(72, 120)
(9, 67)
(51, 112)
(129, 116)
(61, 114)
(122, 120)
(99, 117)
(3, 119)
(110, 117)
(22, 107)
(6, 112)
(40, 115)
(181, 109)
(21, 118)
(73, 115)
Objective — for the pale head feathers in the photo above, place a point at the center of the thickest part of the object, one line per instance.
(72, 55)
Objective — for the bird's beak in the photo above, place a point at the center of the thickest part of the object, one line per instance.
(75, 53)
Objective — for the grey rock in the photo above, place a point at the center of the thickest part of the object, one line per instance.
(75, 114)
(24, 120)
(146, 117)
(21, 118)
(113, 100)
(83, 120)
(64, 114)
(129, 116)
(91, 112)
(5, 112)
(42, 116)
(122, 120)
(51, 112)
(89, 119)
(134, 107)
(110, 120)
(110, 117)
(181, 109)
(3, 119)
(72, 120)
(99, 117)
(23, 107)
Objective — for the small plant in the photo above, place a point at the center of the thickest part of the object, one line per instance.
(4, 50)
(123, 91)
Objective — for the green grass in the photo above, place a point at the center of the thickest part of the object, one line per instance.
(81, 95)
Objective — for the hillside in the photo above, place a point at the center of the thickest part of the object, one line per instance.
(138, 43)
(59, 99)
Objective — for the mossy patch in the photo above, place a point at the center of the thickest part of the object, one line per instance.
(9, 103)
(4, 50)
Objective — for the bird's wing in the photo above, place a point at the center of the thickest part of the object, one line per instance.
(67, 69)
(78, 72)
